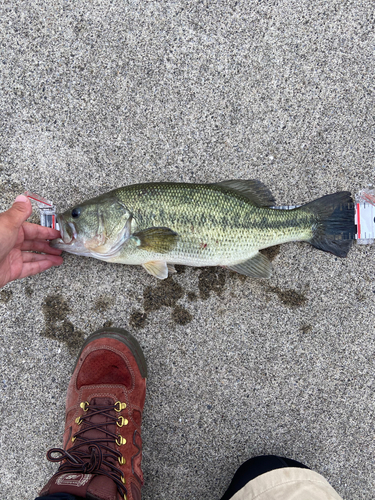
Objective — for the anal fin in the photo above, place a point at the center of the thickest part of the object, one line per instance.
(256, 267)
(157, 268)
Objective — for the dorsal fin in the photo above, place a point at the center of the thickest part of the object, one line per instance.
(255, 191)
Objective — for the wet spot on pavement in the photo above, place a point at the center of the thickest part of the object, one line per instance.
(181, 316)
(211, 279)
(166, 293)
(5, 295)
(288, 297)
(103, 303)
(137, 319)
(58, 327)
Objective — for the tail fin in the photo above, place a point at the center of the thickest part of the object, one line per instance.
(334, 227)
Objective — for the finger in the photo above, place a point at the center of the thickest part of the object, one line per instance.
(37, 257)
(39, 246)
(18, 212)
(36, 232)
(10, 223)
(32, 268)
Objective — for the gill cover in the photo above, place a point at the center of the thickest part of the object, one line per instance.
(113, 228)
(97, 228)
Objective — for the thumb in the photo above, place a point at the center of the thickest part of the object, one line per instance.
(19, 211)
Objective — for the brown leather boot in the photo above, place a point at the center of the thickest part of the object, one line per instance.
(101, 459)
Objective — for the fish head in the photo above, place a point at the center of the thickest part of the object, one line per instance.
(96, 228)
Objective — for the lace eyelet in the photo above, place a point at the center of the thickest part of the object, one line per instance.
(122, 421)
(84, 405)
(120, 440)
(120, 406)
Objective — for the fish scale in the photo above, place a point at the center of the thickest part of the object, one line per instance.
(213, 226)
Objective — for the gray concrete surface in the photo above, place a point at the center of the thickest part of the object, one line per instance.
(99, 94)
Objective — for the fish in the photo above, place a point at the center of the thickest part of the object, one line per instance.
(162, 224)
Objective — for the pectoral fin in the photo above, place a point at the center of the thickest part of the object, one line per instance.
(157, 268)
(156, 239)
(256, 267)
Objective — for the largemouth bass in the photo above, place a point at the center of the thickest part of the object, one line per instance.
(157, 225)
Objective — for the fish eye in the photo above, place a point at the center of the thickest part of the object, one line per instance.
(76, 212)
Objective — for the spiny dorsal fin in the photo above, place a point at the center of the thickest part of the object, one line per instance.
(255, 191)
(156, 239)
(157, 268)
(256, 267)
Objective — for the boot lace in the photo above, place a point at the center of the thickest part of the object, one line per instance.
(93, 456)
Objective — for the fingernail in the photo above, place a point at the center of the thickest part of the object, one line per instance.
(21, 198)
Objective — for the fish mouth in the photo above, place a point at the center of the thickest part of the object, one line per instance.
(68, 232)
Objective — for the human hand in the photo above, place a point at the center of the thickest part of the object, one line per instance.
(19, 240)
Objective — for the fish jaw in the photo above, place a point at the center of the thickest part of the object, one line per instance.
(69, 241)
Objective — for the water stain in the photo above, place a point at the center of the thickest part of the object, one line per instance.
(306, 328)
(167, 293)
(271, 252)
(103, 303)
(58, 327)
(181, 316)
(5, 295)
(137, 319)
(192, 296)
(288, 297)
(211, 279)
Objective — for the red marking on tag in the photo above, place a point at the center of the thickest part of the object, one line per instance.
(37, 198)
(358, 223)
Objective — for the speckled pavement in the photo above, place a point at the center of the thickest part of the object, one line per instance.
(99, 94)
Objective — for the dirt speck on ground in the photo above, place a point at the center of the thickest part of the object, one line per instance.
(5, 295)
(103, 303)
(271, 252)
(211, 279)
(288, 297)
(137, 319)
(107, 324)
(361, 297)
(306, 328)
(29, 291)
(58, 327)
(181, 316)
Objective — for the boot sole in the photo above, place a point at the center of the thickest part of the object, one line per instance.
(122, 336)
